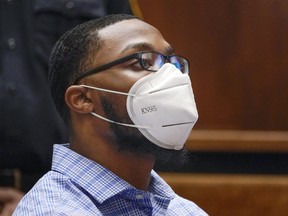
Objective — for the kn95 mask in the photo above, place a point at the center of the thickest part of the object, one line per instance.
(162, 106)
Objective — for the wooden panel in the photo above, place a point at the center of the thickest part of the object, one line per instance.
(237, 141)
(238, 55)
(237, 195)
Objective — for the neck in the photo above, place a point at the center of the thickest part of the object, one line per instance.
(131, 167)
(135, 169)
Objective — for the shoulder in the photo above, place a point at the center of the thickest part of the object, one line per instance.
(182, 206)
(44, 196)
(53, 194)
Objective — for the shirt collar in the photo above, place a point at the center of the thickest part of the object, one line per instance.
(95, 179)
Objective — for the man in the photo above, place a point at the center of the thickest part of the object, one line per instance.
(127, 101)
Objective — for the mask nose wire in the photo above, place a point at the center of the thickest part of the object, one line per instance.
(109, 120)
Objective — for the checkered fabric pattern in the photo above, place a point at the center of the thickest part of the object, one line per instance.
(81, 187)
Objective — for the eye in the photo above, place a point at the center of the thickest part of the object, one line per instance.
(147, 63)
(135, 65)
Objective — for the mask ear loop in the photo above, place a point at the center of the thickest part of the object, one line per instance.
(107, 90)
(108, 120)
(119, 123)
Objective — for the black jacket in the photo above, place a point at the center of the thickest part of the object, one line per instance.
(29, 122)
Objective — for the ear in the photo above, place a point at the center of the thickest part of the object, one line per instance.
(76, 99)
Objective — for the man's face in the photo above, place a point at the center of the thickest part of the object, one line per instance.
(119, 40)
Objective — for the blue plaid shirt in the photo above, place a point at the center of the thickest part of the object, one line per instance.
(81, 187)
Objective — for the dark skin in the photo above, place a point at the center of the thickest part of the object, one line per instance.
(93, 137)
(9, 198)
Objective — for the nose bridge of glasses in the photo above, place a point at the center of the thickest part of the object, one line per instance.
(169, 59)
(166, 58)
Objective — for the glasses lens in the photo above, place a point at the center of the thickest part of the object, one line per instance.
(152, 61)
(180, 63)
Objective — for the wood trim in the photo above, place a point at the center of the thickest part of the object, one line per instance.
(226, 195)
(238, 141)
(183, 179)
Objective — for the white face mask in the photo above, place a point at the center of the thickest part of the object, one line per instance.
(161, 105)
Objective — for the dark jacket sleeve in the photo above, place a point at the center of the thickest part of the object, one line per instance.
(29, 122)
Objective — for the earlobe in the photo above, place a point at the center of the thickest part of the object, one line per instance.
(76, 99)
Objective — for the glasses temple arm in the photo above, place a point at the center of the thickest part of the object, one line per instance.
(105, 67)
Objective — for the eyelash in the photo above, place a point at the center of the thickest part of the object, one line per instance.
(135, 65)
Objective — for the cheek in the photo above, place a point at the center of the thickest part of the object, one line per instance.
(128, 78)
(117, 110)
(120, 80)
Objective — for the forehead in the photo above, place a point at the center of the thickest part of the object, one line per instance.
(130, 36)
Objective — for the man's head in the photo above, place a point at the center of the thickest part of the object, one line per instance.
(74, 53)
(92, 45)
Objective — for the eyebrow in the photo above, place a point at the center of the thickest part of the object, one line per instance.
(146, 46)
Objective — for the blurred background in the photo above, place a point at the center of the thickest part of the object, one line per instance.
(238, 53)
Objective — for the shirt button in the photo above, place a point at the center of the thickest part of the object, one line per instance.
(69, 5)
(139, 196)
(12, 88)
(9, 2)
(11, 43)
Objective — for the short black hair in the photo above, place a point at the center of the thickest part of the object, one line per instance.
(70, 56)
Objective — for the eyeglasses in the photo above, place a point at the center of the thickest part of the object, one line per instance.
(149, 61)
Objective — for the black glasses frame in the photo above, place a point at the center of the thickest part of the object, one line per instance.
(137, 55)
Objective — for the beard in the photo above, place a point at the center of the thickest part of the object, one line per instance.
(131, 140)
